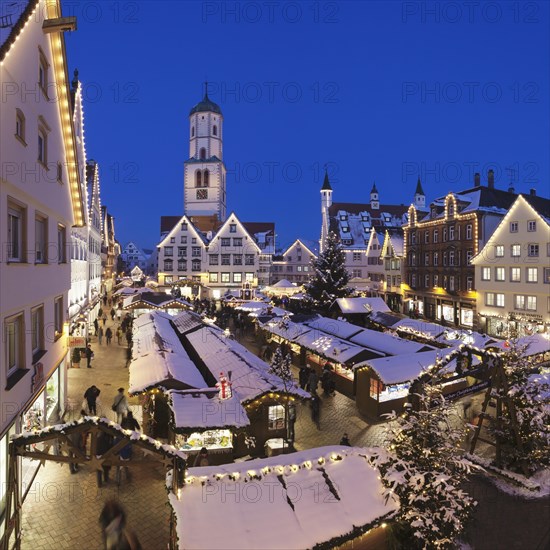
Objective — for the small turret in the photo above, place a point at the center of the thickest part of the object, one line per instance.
(419, 196)
(374, 202)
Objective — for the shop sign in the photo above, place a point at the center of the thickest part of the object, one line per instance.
(467, 391)
(37, 377)
(76, 341)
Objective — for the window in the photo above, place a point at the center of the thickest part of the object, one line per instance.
(546, 275)
(16, 225)
(444, 234)
(225, 277)
(195, 265)
(469, 255)
(183, 239)
(489, 298)
(452, 283)
(193, 240)
(516, 250)
(172, 239)
(206, 178)
(499, 251)
(249, 277)
(168, 250)
(168, 265)
(413, 237)
(169, 279)
(196, 251)
(59, 172)
(198, 178)
(355, 273)
(237, 277)
(42, 146)
(20, 126)
(40, 239)
(61, 244)
(184, 228)
(58, 316)
(202, 194)
(500, 274)
(531, 303)
(215, 130)
(202, 153)
(533, 250)
(232, 228)
(37, 329)
(519, 301)
(452, 233)
(426, 258)
(213, 259)
(445, 258)
(289, 268)
(436, 280)
(469, 283)
(452, 257)
(226, 259)
(182, 251)
(357, 256)
(43, 67)
(237, 259)
(299, 268)
(249, 259)
(515, 274)
(485, 273)
(426, 281)
(531, 226)
(213, 278)
(226, 242)
(426, 237)
(513, 227)
(237, 241)
(499, 302)
(532, 275)
(276, 417)
(376, 388)
(14, 339)
(192, 131)
(182, 265)
(436, 259)
(436, 235)
(469, 231)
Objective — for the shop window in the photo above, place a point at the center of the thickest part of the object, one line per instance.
(276, 417)
(249, 277)
(225, 278)
(37, 329)
(376, 388)
(213, 278)
(169, 279)
(14, 340)
(237, 277)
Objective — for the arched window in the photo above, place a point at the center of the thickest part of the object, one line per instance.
(198, 178)
(202, 153)
(215, 130)
(206, 178)
(192, 131)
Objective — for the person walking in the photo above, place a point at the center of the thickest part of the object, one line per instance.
(120, 405)
(89, 355)
(303, 376)
(108, 335)
(91, 395)
(313, 382)
(345, 440)
(104, 443)
(104, 319)
(130, 423)
(119, 314)
(129, 336)
(96, 326)
(119, 335)
(315, 410)
(116, 536)
(100, 335)
(202, 458)
(113, 313)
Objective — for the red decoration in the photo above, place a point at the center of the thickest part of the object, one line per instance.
(224, 386)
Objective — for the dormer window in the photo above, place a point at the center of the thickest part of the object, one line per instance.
(345, 229)
(434, 212)
(184, 226)
(343, 217)
(451, 208)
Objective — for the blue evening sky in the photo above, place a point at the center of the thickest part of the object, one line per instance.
(379, 91)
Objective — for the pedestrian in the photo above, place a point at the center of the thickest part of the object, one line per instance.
(108, 335)
(128, 357)
(104, 443)
(202, 458)
(312, 382)
(327, 381)
(303, 376)
(345, 440)
(119, 335)
(91, 395)
(96, 326)
(100, 335)
(129, 336)
(315, 410)
(89, 355)
(130, 423)
(118, 314)
(116, 536)
(104, 319)
(120, 405)
(113, 313)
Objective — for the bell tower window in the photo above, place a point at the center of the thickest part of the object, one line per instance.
(215, 130)
(198, 178)
(206, 181)
(202, 153)
(192, 131)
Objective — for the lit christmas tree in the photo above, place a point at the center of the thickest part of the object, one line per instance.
(330, 279)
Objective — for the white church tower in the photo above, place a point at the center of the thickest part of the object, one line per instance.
(204, 172)
(326, 203)
(374, 201)
(419, 196)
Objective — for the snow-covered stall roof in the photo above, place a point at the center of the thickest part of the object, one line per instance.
(187, 321)
(387, 343)
(385, 319)
(257, 309)
(342, 329)
(406, 368)
(205, 410)
(153, 300)
(422, 328)
(331, 347)
(287, 330)
(250, 376)
(457, 337)
(311, 497)
(362, 305)
(284, 283)
(536, 343)
(159, 357)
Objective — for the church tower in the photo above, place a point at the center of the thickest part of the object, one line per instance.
(419, 196)
(204, 172)
(374, 202)
(326, 203)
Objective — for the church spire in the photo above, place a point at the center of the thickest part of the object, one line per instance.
(419, 196)
(419, 190)
(326, 183)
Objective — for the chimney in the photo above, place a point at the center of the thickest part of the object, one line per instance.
(491, 179)
(533, 192)
(511, 189)
(477, 179)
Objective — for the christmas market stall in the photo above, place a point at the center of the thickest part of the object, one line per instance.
(208, 419)
(143, 302)
(419, 330)
(383, 385)
(359, 309)
(329, 497)
(537, 346)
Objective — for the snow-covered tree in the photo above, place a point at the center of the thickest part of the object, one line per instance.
(527, 393)
(424, 467)
(281, 367)
(330, 278)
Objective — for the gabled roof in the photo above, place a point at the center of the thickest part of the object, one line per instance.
(419, 190)
(301, 243)
(16, 14)
(176, 228)
(232, 216)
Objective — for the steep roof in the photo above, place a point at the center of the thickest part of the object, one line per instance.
(14, 17)
(326, 183)
(206, 105)
(419, 190)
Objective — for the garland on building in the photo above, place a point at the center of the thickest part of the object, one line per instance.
(424, 468)
(330, 279)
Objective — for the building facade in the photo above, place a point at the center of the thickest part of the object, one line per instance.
(512, 272)
(294, 264)
(132, 255)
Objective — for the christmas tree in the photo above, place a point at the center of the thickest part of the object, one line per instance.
(280, 366)
(424, 468)
(330, 278)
